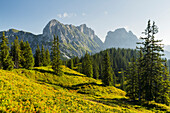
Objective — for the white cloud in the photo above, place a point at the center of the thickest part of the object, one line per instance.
(66, 15)
(106, 13)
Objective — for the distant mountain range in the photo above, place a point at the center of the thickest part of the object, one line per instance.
(76, 40)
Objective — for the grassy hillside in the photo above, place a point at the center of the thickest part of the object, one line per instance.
(39, 90)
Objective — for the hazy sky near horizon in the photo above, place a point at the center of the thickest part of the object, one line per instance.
(100, 15)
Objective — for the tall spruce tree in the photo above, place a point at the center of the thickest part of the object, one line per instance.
(165, 97)
(122, 82)
(114, 78)
(22, 53)
(152, 82)
(107, 75)
(132, 80)
(95, 70)
(28, 56)
(140, 71)
(16, 53)
(43, 56)
(71, 64)
(87, 66)
(37, 57)
(48, 60)
(5, 58)
(56, 62)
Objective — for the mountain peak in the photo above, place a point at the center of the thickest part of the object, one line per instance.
(122, 30)
(53, 22)
(83, 25)
(120, 38)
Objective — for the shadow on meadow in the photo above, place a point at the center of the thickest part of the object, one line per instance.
(52, 72)
(86, 84)
(73, 74)
(45, 71)
(123, 102)
(127, 103)
(73, 87)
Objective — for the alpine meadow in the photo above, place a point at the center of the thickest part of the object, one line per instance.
(71, 68)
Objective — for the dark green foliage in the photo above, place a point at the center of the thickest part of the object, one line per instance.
(87, 67)
(56, 62)
(95, 70)
(148, 78)
(5, 58)
(76, 60)
(119, 58)
(37, 57)
(43, 56)
(16, 53)
(165, 91)
(28, 56)
(152, 65)
(48, 61)
(107, 75)
(70, 64)
(79, 67)
(132, 80)
(122, 84)
(114, 78)
(22, 48)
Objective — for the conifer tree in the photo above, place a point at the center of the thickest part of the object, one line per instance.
(165, 92)
(22, 53)
(56, 62)
(37, 57)
(29, 59)
(76, 60)
(71, 63)
(48, 61)
(5, 58)
(114, 78)
(43, 56)
(139, 64)
(107, 75)
(132, 80)
(95, 70)
(122, 85)
(152, 82)
(16, 53)
(87, 66)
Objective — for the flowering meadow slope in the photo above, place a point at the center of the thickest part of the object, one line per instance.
(40, 90)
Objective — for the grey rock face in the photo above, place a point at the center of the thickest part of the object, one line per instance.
(74, 41)
(90, 33)
(120, 38)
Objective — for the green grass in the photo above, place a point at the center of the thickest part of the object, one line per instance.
(40, 90)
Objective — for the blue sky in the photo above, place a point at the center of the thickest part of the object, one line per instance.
(100, 15)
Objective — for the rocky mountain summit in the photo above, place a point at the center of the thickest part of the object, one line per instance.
(120, 38)
(74, 40)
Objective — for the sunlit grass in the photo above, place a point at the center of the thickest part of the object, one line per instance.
(40, 90)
